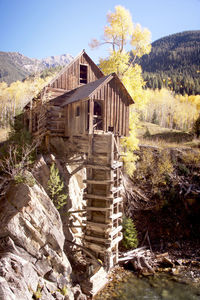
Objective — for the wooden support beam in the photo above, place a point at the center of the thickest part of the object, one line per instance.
(97, 225)
(117, 189)
(117, 164)
(98, 181)
(115, 242)
(116, 216)
(98, 197)
(95, 247)
(115, 231)
(98, 239)
(90, 208)
(96, 166)
(101, 248)
(117, 200)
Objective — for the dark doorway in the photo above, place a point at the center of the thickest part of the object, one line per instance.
(98, 115)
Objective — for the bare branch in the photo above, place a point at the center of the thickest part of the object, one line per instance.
(18, 159)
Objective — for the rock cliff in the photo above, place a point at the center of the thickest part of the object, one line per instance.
(33, 264)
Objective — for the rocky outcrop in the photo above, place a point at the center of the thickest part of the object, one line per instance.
(32, 262)
(73, 178)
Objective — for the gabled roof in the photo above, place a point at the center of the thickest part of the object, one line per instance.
(86, 91)
(71, 63)
(64, 69)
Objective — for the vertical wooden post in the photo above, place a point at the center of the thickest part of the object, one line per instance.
(91, 113)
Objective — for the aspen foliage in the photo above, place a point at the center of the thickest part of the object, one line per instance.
(154, 168)
(127, 42)
(140, 41)
(168, 110)
(14, 97)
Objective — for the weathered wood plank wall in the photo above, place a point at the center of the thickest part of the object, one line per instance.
(116, 108)
(70, 78)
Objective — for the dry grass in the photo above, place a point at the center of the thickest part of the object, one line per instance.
(195, 143)
(153, 129)
(162, 144)
(153, 135)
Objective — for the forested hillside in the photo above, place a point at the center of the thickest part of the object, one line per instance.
(174, 62)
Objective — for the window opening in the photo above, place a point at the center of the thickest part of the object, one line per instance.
(77, 111)
(98, 119)
(111, 128)
(83, 74)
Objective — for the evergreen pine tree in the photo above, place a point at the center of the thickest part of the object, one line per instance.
(56, 188)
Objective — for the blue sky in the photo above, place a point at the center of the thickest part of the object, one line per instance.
(40, 28)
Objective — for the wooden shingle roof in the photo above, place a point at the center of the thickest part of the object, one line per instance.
(86, 91)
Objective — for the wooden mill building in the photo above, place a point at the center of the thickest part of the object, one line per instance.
(91, 111)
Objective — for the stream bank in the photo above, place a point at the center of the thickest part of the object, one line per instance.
(181, 281)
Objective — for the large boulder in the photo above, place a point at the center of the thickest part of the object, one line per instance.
(32, 261)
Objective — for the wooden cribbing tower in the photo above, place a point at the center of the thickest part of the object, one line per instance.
(104, 201)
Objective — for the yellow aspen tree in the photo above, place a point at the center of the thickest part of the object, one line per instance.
(14, 97)
(127, 42)
(169, 110)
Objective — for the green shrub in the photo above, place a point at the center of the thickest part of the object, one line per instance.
(56, 188)
(183, 169)
(25, 178)
(18, 153)
(154, 168)
(18, 133)
(129, 234)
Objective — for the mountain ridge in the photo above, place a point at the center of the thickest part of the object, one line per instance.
(16, 66)
(174, 62)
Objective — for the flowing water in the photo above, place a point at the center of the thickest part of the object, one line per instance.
(159, 287)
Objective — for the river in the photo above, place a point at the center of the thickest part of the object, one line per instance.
(161, 286)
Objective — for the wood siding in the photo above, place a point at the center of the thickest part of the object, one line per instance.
(76, 124)
(65, 121)
(115, 112)
(69, 79)
(45, 119)
(116, 108)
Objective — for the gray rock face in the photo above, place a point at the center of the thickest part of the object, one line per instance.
(32, 261)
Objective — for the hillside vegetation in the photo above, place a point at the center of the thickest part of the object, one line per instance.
(174, 62)
(14, 97)
(170, 110)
